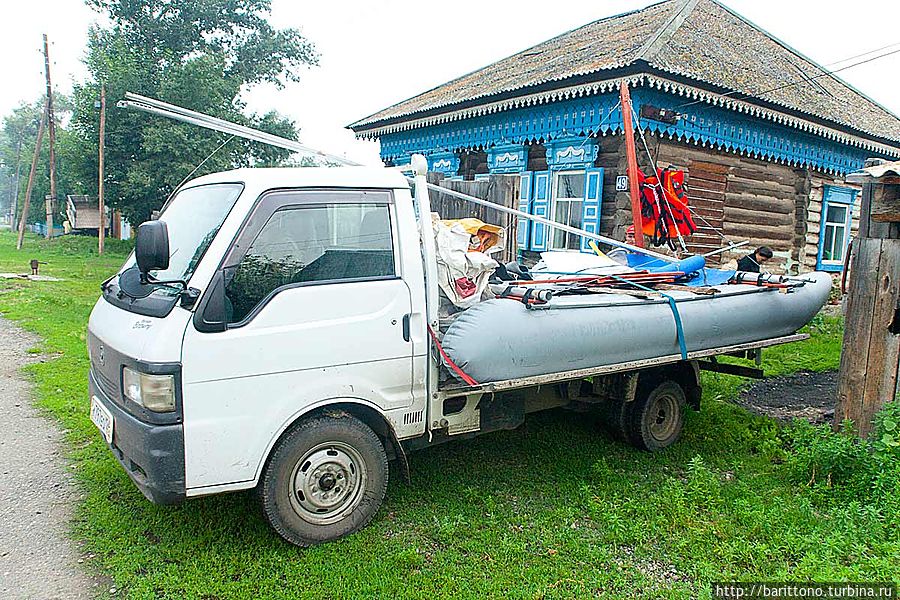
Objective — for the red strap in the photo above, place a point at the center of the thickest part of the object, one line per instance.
(449, 361)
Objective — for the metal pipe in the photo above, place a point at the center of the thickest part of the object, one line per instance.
(727, 248)
(166, 109)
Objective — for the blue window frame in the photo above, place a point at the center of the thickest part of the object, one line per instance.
(834, 227)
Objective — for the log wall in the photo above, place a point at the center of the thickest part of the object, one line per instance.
(741, 198)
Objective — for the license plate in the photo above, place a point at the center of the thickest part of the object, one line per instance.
(102, 418)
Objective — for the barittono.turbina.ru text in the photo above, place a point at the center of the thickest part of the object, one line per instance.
(759, 589)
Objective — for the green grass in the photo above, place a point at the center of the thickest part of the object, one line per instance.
(553, 509)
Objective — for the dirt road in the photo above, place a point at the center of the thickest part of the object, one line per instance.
(37, 494)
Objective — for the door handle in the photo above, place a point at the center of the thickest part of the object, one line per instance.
(406, 327)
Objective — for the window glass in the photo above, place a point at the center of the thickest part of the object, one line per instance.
(567, 208)
(321, 243)
(836, 214)
(570, 185)
(834, 233)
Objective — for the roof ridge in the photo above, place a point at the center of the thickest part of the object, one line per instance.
(665, 33)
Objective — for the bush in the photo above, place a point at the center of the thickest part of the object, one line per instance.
(843, 463)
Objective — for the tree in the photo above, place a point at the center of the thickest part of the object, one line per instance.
(18, 135)
(197, 54)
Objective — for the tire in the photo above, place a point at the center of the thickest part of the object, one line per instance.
(614, 416)
(326, 478)
(655, 418)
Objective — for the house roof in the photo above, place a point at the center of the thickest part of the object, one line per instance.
(877, 171)
(698, 41)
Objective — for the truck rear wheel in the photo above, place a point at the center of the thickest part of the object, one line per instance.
(326, 478)
(656, 416)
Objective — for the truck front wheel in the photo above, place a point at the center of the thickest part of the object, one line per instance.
(326, 478)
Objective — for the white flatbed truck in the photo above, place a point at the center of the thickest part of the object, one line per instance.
(271, 332)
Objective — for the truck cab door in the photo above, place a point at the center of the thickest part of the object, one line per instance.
(314, 310)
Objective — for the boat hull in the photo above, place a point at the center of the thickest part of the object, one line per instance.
(502, 339)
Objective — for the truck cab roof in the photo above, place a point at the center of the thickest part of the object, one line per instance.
(309, 177)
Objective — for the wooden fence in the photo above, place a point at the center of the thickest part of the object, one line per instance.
(498, 189)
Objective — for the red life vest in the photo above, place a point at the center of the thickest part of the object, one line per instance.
(664, 207)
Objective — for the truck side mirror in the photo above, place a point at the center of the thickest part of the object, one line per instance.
(151, 247)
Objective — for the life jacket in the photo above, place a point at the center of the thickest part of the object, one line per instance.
(664, 207)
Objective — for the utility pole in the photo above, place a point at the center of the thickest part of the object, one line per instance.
(52, 127)
(30, 186)
(631, 153)
(15, 198)
(100, 175)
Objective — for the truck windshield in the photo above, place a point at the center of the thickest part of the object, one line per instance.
(193, 218)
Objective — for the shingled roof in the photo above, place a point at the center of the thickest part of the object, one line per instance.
(698, 41)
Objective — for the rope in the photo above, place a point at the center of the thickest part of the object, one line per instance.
(679, 328)
(449, 362)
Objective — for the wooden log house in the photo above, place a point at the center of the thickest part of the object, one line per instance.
(764, 133)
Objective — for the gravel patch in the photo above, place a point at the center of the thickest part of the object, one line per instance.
(802, 395)
(37, 494)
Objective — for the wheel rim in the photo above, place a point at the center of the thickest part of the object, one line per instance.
(327, 483)
(663, 417)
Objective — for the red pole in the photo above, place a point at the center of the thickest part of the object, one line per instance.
(631, 152)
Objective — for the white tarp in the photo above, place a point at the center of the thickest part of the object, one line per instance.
(455, 262)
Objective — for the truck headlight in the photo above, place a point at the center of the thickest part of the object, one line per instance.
(153, 392)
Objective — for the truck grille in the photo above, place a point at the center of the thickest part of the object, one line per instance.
(109, 387)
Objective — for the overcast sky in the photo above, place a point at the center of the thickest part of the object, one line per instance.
(378, 52)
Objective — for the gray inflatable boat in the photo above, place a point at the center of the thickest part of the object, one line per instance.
(504, 339)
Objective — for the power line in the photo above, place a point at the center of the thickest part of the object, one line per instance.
(799, 81)
(837, 62)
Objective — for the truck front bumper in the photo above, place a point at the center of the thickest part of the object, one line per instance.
(152, 455)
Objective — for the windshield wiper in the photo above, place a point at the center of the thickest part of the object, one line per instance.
(107, 281)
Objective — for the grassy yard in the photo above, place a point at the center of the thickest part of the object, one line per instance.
(553, 509)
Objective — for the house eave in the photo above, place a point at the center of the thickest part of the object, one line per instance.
(682, 86)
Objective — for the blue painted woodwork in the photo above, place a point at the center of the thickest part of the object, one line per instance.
(571, 153)
(444, 162)
(540, 206)
(593, 193)
(507, 158)
(832, 194)
(522, 228)
(703, 124)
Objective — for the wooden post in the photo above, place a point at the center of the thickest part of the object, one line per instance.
(871, 347)
(14, 201)
(102, 232)
(48, 210)
(51, 125)
(34, 161)
(631, 152)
